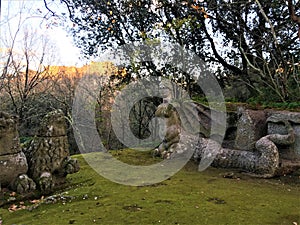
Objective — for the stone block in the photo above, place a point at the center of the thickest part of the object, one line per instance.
(11, 166)
(9, 137)
(251, 126)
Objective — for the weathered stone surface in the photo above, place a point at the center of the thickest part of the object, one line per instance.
(171, 136)
(276, 125)
(23, 184)
(204, 117)
(250, 128)
(231, 130)
(53, 125)
(11, 166)
(48, 153)
(12, 160)
(279, 116)
(263, 160)
(9, 136)
(46, 157)
(262, 163)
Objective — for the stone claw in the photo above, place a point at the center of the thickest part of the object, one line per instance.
(46, 182)
(72, 166)
(155, 153)
(23, 184)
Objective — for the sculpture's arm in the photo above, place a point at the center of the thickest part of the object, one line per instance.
(284, 139)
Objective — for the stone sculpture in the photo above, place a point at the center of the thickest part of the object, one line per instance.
(46, 161)
(13, 163)
(263, 161)
(272, 147)
(173, 130)
(48, 155)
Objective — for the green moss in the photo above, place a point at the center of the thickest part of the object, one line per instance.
(189, 197)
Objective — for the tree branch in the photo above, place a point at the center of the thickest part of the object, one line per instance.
(47, 7)
(234, 69)
(293, 15)
(269, 22)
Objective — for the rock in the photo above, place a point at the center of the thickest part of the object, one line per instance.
(250, 127)
(231, 130)
(46, 160)
(263, 162)
(172, 131)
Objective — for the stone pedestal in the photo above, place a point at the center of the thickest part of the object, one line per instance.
(11, 166)
(12, 160)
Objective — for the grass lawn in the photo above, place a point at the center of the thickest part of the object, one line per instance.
(189, 197)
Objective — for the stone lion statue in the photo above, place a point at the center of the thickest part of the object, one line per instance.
(13, 163)
(44, 161)
(48, 154)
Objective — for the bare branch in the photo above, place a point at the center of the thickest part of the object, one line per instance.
(47, 7)
(269, 22)
(293, 15)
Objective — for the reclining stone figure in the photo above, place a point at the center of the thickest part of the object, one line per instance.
(263, 161)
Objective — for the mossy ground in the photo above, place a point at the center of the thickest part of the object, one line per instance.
(189, 197)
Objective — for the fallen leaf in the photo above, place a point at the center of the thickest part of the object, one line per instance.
(13, 208)
(195, 7)
(35, 201)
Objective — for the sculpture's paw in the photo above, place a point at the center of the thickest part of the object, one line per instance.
(166, 155)
(23, 184)
(155, 153)
(72, 166)
(46, 183)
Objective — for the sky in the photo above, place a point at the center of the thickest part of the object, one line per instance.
(33, 11)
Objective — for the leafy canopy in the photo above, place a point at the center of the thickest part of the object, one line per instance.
(250, 41)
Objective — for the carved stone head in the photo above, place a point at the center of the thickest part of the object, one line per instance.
(53, 125)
